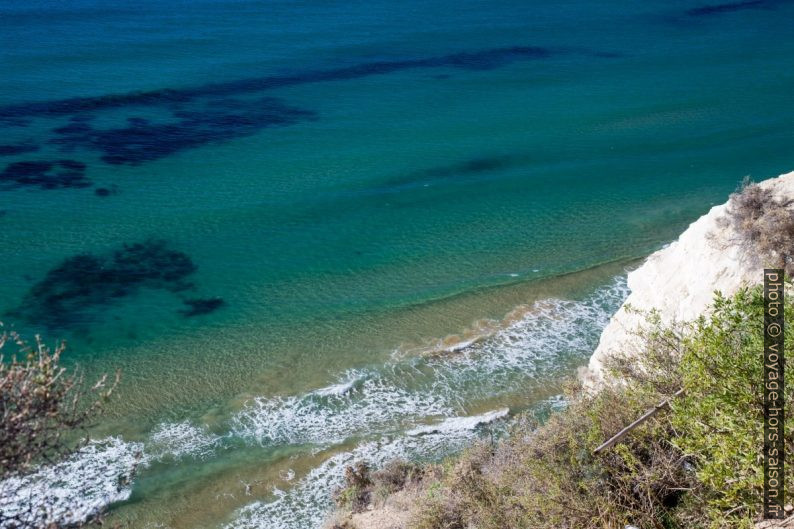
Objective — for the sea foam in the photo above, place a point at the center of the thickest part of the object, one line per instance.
(181, 439)
(73, 490)
(101, 473)
(306, 505)
(530, 348)
(370, 403)
(408, 391)
(423, 396)
(415, 390)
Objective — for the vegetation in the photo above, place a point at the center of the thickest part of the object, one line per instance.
(697, 465)
(764, 224)
(44, 408)
(362, 487)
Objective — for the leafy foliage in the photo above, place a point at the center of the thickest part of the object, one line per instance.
(720, 421)
(696, 465)
(40, 402)
(43, 408)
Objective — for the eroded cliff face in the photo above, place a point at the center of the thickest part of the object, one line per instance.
(679, 280)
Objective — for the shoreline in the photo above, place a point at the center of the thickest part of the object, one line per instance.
(405, 394)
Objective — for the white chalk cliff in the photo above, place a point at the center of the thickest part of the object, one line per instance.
(679, 280)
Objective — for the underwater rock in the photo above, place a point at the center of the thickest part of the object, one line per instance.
(46, 175)
(199, 306)
(482, 59)
(218, 112)
(106, 191)
(79, 284)
(17, 148)
(141, 140)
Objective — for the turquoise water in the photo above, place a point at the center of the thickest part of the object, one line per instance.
(240, 203)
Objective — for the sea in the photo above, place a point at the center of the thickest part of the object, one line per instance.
(315, 232)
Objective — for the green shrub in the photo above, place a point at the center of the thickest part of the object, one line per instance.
(696, 465)
(720, 421)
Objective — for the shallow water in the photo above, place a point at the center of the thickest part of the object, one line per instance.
(425, 209)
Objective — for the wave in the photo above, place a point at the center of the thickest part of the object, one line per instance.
(177, 440)
(409, 390)
(337, 389)
(368, 403)
(307, 504)
(412, 407)
(531, 346)
(69, 492)
(74, 490)
(454, 424)
(413, 389)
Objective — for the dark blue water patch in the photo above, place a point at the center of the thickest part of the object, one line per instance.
(729, 7)
(58, 174)
(106, 191)
(485, 59)
(73, 128)
(200, 306)
(18, 148)
(466, 168)
(84, 105)
(141, 140)
(81, 285)
(9, 121)
(220, 112)
(473, 166)
(194, 117)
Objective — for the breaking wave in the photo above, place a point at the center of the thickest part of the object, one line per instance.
(330, 417)
(414, 388)
(176, 440)
(306, 505)
(414, 407)
(73, 490)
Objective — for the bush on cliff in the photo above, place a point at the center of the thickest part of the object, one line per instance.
(764, 225)
(44, 409)
(696, 465)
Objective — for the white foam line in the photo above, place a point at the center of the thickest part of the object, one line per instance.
(73, 490)
(460, 345)
(332, 417)
(177, 440)
(525, 349)
(530, 347)
(307, 504)
(408, 391)
(453, 424)
(336, 390)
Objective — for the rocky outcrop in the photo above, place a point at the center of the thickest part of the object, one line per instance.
(679, 280)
